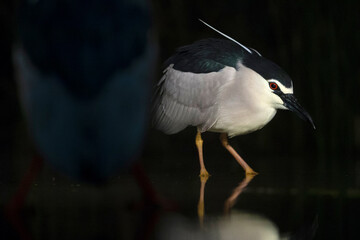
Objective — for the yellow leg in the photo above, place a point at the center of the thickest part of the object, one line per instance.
(199, 143)
(244, 165)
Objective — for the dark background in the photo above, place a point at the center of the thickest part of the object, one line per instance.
(316, 42)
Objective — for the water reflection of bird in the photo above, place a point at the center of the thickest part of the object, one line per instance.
(233, 225)
(83, 71)
(221, 86)
(230, 202)
(238, 225)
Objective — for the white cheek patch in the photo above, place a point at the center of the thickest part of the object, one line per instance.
(286, 90)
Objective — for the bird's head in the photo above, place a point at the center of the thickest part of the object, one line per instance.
(284, 99)
(278, 87)
(278, 84)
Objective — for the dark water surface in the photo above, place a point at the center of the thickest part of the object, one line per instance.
(282, 200)
(308, 182)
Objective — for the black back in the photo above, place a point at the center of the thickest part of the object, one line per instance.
(212, 55)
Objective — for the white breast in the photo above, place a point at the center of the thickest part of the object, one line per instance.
(244, 104)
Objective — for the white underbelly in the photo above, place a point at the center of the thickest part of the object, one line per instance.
(238, 123)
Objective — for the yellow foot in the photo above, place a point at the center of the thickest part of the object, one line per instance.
(204, 175)
(250, 172)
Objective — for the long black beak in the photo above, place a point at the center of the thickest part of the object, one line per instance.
(292, 104)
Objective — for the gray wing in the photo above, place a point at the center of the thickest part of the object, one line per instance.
(188, 99)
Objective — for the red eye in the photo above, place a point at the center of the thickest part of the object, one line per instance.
(273, 86)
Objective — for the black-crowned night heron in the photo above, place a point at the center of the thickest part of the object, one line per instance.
(220, 85)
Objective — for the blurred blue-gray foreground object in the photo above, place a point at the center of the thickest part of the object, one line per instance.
(83, 70)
